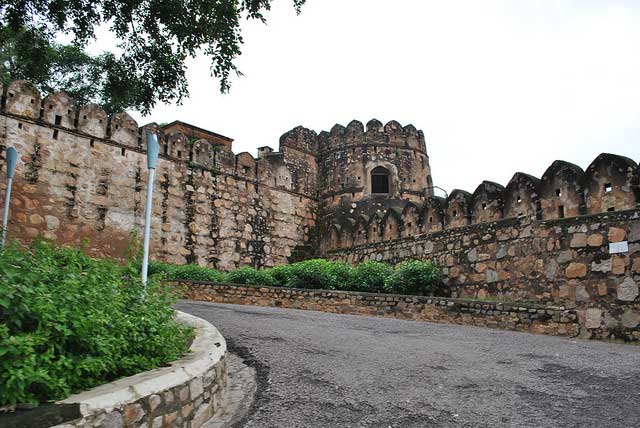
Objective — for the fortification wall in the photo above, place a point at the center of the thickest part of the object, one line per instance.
(82, 175)
(564, 262)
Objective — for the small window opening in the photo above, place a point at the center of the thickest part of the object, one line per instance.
(245, 170)
(58, 119)
(430, 219)
(33, 101)
(202, 172)
(484, 206)
(380, 180)
(353, 194)
(10, 94)
(561, 211)
(342, 185)
(166, 149)
(246, 184)
(519, 199)
(100, 121)
(19, 126)
(179, 154)
(50, 106)
(414, 180)
(84, 117)
(375, 149)
(408, 224)
(375, 229)
(91, 143)
(607, 187)
(68, 111)
(455, 213)
(358, 178)
(117, 126)
(611, 209)
(390, 226)
(122, 151)
(558, 192)
(55, 134)
(353, 151)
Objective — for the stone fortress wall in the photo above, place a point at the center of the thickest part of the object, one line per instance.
(82, 175)
(354, 193)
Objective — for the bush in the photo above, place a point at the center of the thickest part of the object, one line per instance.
(195, 273)
(69, 322)
(370, 276)
(413, 277)
(319, 274)
(280, 275)
(248, 275)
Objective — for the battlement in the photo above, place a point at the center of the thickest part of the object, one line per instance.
(611, 183)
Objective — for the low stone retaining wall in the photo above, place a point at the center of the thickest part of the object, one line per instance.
(183, 395)
(515, 316)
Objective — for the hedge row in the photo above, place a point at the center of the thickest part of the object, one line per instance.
(409, 277)
(69, 322)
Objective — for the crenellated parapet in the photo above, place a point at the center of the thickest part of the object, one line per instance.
(610, 183)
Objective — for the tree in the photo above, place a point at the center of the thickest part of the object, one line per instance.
(155, 38)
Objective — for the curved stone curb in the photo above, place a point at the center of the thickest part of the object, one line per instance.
(239, 395)
(184, 394)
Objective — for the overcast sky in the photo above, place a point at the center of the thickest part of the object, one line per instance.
(496, 86)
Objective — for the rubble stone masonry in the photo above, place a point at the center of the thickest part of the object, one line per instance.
(354, 193)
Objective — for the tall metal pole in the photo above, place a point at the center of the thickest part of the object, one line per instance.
(152, 158)
(12, 157)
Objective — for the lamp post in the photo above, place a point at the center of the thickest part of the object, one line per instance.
(12, 157)
(152, 159)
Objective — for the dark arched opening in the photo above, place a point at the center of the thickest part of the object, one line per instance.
(380, 180)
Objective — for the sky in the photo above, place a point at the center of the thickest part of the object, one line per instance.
(496, 86)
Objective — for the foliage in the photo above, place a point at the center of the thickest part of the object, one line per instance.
(410, 277)
(319, 274)
(248, 275)
(370, 276)
(154, 39)
(69, 322)
(413, 277)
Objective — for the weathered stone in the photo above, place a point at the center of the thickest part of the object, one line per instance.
(492, 275)
(630, 318)
(472, 255)
(627, 290)
(576, 270)
(595, 240)
(154, 402)
(112, 420)
(616, 234)
(52, 222)
(578, 240)
(602, 266)
(133, 413)
(593, 318)
(196, 387)
(618, 265)
(582, 295)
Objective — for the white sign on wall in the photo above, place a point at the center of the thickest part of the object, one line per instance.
(618, 247)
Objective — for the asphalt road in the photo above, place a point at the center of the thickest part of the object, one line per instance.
(324, 370)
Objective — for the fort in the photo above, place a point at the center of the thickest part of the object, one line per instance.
(353, 193)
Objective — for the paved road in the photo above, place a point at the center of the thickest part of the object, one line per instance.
(324, 370)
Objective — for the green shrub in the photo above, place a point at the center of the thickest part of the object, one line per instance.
(248, 275)
(280, 275)
(413, 277)
(319, 274)
(194, 273)
(159, 268)
(69, 322)
(370, 276)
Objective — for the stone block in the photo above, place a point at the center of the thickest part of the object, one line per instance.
(593, 318)
(595, 240)
(133, 413)
(576, 270)
(616, 234)
(630, 318)
(627, 290)
(578, 240)
(582, 295)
